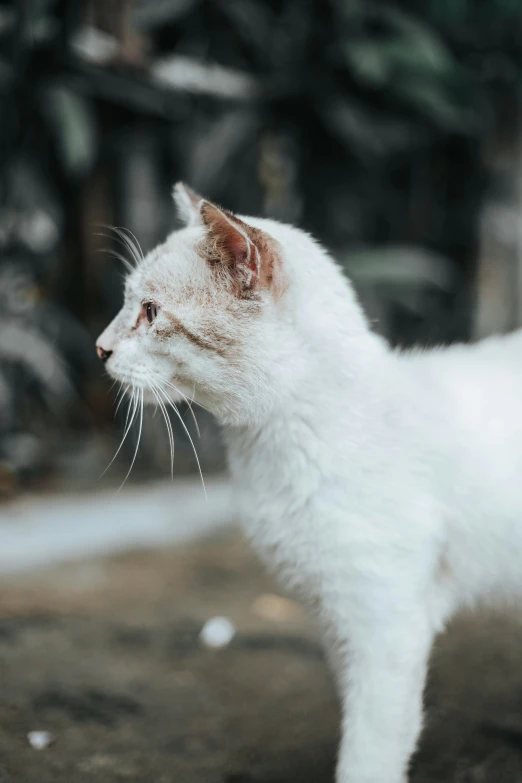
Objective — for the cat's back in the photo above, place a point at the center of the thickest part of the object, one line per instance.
(476, 422)
(483, 379)
(471, 397)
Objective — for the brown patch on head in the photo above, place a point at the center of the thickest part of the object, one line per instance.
(248, 256)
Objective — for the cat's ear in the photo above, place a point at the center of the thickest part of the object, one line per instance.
(188, 204)
(245, 252)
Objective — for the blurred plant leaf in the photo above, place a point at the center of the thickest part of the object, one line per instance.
(405, 42)
(401, 266)
(368, 60)
(148, 14)
(416, 44)
(73, 125)
(409, 54)
(213, 153)
(408, 60)
(365, 130)
(431, 99)
(252, 20)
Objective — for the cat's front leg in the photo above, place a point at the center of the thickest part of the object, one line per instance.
(381, 686)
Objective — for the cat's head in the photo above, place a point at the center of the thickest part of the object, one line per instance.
(204, 315)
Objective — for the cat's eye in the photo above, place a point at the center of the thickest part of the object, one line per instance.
(150, 311)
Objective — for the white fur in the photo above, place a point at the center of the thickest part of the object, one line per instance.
(385, 488)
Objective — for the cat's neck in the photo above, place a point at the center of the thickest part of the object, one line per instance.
(316, 349)
(337, 387)
(329, 360)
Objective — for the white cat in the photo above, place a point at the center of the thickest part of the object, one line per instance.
(385, 488)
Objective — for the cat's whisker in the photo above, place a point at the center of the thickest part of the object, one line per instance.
(175, 388)
(168, 424)
(128, 409)
(131, 249)
(192, 401)
(189, 403)
(133, 401)
(110, 251)
(187, 400)
(195, 402)
(121, 395)
(175, 408)
(125, 261)
(136, 253)
(140, 400)
(131, 245)
(135, 241)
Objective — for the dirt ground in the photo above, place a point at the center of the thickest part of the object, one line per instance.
(106, 656)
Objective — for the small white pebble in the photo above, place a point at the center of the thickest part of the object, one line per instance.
(39, 740)
(217, 632)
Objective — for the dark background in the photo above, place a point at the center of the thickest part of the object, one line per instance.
(389, 130)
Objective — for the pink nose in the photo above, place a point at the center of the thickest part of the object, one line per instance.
(103, 354)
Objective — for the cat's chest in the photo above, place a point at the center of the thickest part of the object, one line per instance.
(285, 536)
(281, 505)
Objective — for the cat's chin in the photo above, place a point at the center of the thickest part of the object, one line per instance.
(141, 382)
(169, 395)
(151, 398)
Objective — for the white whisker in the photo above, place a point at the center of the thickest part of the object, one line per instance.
(110, 251)
(175, 408)
(168, 424)
(191, 409)
(175, 388)
(125, 261)
(123, 239)
(140, 398)
(128, 409)
(121, 395)
(128, 425)
(135, 242)
(135, 252)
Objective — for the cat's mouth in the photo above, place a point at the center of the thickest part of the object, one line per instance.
(154, 389)
(151, 385)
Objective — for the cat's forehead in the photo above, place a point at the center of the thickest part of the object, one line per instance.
(168, 265)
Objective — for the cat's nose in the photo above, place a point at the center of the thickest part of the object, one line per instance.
(103, 354)
(106, 341)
